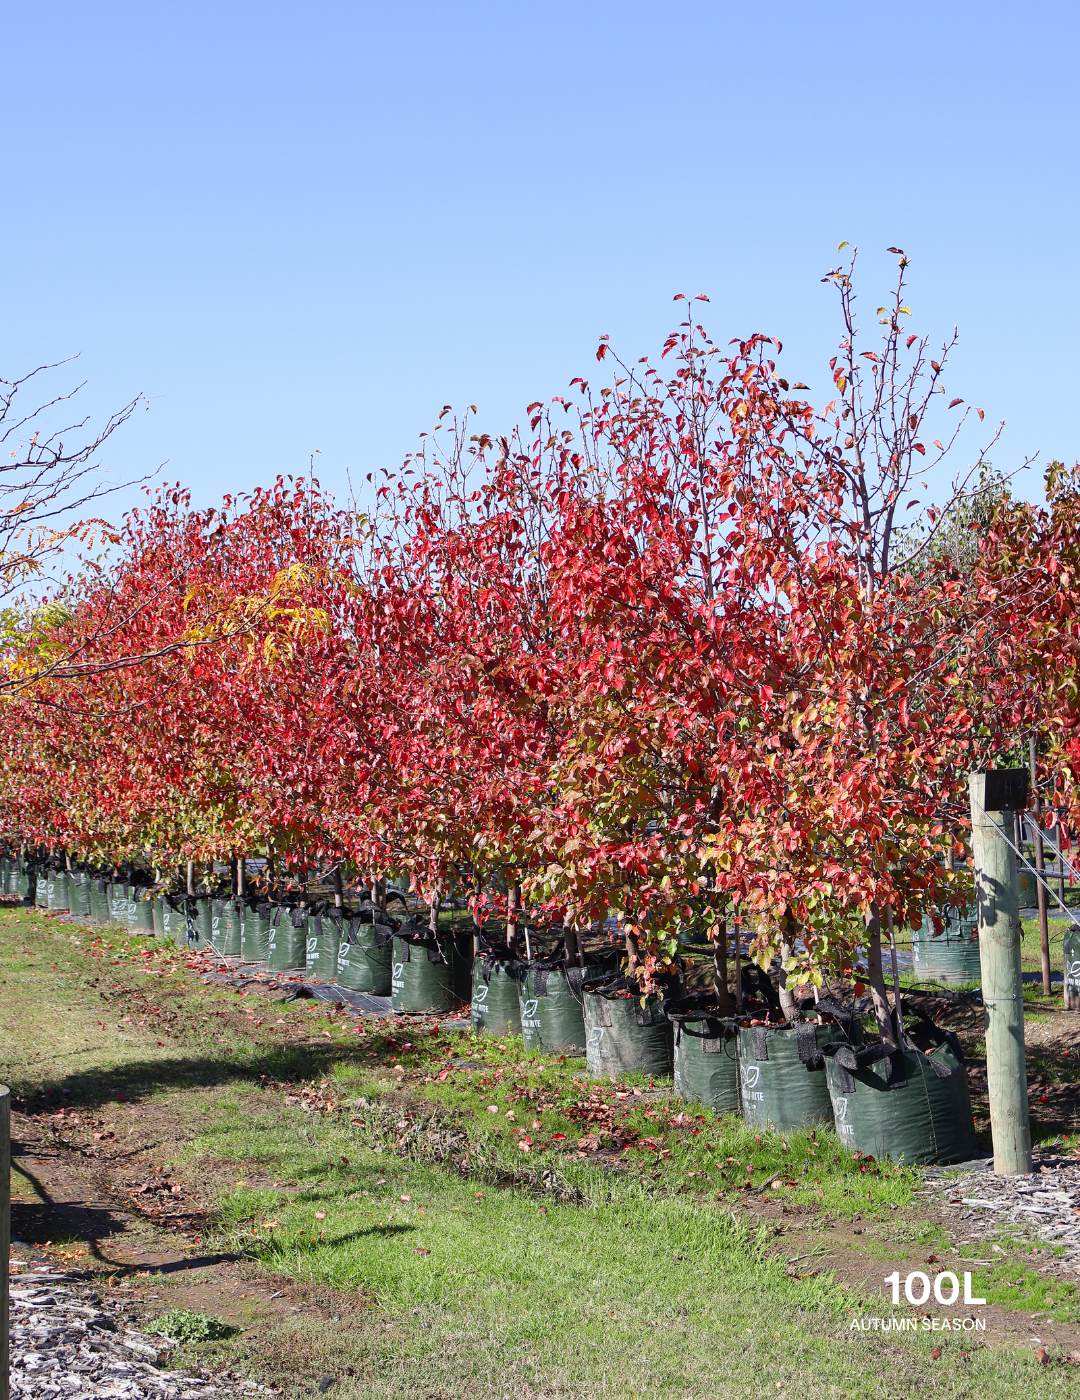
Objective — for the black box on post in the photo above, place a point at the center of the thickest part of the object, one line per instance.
(1006, 790)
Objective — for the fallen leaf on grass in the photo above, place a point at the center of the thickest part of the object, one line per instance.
(320, 1215)
(419, 1250)
(935, 1355)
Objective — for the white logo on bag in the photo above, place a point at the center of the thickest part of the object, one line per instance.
(528, 1011)
(480, 995)
(750, 1075)
(594, 1037)
(1072, 973)
(312, 944)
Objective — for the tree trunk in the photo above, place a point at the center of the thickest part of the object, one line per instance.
(720, 973)
(573, 945)
(339, 895)
(191, 877)
(513, 902)
(876, 978)
(433, 913)
(787, 947)
(738, 959)
(633, 951)
(241, 871)
(477, 931)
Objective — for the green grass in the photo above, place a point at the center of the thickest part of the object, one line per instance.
(504, 1273)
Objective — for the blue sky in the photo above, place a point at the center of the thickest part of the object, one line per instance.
(300, 227)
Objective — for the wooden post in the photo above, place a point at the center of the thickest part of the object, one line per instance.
(1044, 927)
(5, 1233)
(997, 895)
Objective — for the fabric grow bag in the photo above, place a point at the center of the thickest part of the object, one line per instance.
(1072, 968)
(782, 1081)
(496, 1009)
(254, 933)
(200, 921)
(365, 957)
(140, 911)
(157, 904)
(951, 956)
(286, 947)
(174, 919)
(549, 999)
(624, 1032)
(461, 956)
(323, 940)
(118, 903)
(421, 976)
(912, 1106)
(227, 931)
(41, 891)
(705, 1052)
(58, 890)
(99, 901)
(79, 893)
(28, 882)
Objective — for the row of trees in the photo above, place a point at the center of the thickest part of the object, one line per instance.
(673, 651)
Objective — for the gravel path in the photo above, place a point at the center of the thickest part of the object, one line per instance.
(66, 1341)
(1044, 1205)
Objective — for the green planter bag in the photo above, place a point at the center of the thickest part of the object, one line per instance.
(99, 902)
(496, 1009)
(549, 999)
(287, 940)
(158, 906)
(41, 891)
(623, 1036)
(911, 1107)
(254, 933)
(174, 919)
(140, 911)
(79, 893)
(365, 958)
(28, 883)
(58, 891)
(323, 939)
(460, 953)
(782, 1081)
(422, 979)
(951, 956)
(118, 903)
(227, 931)
(1072, 968)
(705, 1053)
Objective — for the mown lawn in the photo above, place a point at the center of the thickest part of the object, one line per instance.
(369, 1165)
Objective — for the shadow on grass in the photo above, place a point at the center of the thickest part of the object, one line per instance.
(142, 1079)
